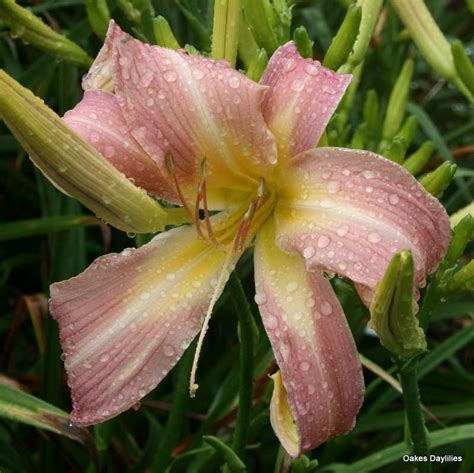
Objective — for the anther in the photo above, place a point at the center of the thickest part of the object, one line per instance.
(169, 161)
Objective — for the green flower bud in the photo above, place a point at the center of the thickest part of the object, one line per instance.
(398, 101)
(437, 181)
(226, 29)
(128, 8)
(257, 65)
(24, 24)
(396, 150)
(163, 35)
(392, 310)
(343, 42)
(463, 280)
(359, 138)
(463, 65)
(303, 43)
(418, 160)
(463, 233)
(408, 130)
(74, 166)
(99, 16)
(371, 113)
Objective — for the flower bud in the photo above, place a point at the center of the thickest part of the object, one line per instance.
(463, 280)
(396, 150)
(343, 42)
(392, 310)
(437, 181)
(74, 166)
(226, 29)
(463, 65)
(24, 24)
(163, 35)
(302, 42)
(418, 160)
(99, 16)
(257, 65)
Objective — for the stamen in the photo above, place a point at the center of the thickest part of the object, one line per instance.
(193, 386)
(171, 171)
(242, 232)
(197, 221)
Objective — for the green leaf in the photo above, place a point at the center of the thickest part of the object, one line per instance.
(233, 461)
(21, 407)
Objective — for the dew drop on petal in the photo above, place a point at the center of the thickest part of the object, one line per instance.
(271, 322)
(309, 252)
(326, 308)
(342, 230)
(311, 69)
(368, 174)
(323, 241)
(234, 82)
(292, 286)
(304, 366)
(104, 358)
(374, 237)
(311, 389)
(169, 350)
(170, 76)
(260, 298)
(394, 199)
(297, 85)
(333, 187)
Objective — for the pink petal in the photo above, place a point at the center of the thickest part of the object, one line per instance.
(302, 98)
(196, 108)
(127, 319)
(313, 346)
(99, 121)
(350, 211)
(100, 76)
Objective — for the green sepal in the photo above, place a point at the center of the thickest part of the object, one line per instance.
(257, 65)
(463, 64)
(303, 465)
(342, 43)
(303, 42)
(235, 464)
(32, 30)
(418, 160)
(74, 166)
(163, 34)
(463, 280)
(398, 101)
(437, 181)
(392, 309)
(132, 13)
(98, 14)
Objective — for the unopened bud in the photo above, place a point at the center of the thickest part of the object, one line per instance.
(302, 42)
(437, 181)
(163, 35)
(418, 160)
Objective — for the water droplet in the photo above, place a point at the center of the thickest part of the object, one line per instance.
(198, 74)
(342, 230)
(271, 322)
(292, 286)
(311, 69)
(150, 102)
(142, 393)
(374, 237)
(367, 174)
(131, 234)
(326, 308)
(333, 187)
(309, 252)
(304, 366)
(298, 315)
(327, 174)
(297, 85)
(170, 277)
(323, 241)
(104, 358)
(394, 199)
(290, 64)
(325, 385)
(147, 78)
(170, 76)
(234, 82)
(169, 350)
(109, 151)
(260, 298)
(369, 189)
(311, 389)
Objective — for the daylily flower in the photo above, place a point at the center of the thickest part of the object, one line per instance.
(199, 134)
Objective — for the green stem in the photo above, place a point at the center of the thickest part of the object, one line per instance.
(416, 421)
(172, 431)
(246, 337)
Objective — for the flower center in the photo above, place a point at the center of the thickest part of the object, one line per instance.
(236, 228)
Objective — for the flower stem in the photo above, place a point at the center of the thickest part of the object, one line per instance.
(246, 337)
(414, 415)
(172, 431)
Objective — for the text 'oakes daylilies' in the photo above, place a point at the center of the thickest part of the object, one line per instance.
(196, 133)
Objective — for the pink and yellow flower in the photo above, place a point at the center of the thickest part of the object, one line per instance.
(197, 133)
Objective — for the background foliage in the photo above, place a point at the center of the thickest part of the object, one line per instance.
(166, 430)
